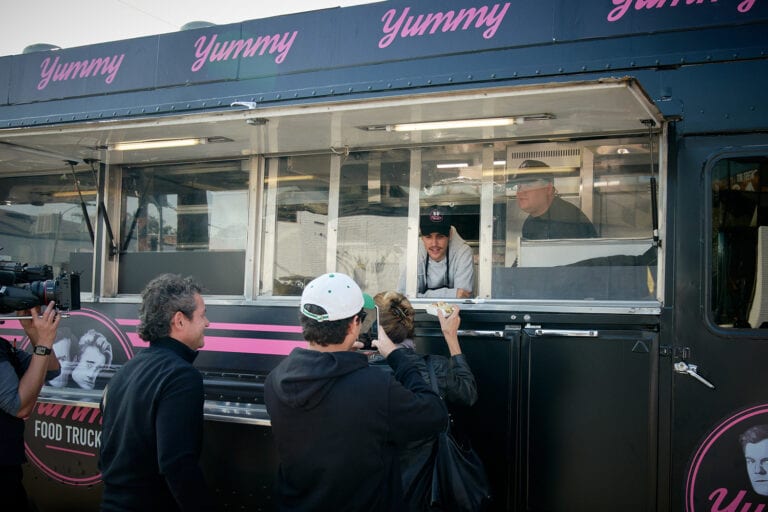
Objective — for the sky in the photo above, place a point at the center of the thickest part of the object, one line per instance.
(71, 23)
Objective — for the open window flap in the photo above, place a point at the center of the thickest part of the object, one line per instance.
(556, 111)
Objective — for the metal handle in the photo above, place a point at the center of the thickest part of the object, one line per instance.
(472, 332)
(566, 332)
(684, 368)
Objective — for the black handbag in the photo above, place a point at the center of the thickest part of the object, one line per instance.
(459, 480)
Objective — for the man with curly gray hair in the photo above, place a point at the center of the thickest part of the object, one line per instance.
(152, 408)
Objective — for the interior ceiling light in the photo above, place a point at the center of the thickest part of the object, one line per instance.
(555, 169)
(297, 177)
(156, 144)
(455, 165)
(458, 123)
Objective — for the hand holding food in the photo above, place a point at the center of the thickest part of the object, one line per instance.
(446, 308)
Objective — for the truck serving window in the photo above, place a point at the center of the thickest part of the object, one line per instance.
(576, 220)
(42, 221)
(565, 220)
(739, 291)
(187, 219)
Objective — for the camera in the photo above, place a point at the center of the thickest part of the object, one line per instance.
(23, 286)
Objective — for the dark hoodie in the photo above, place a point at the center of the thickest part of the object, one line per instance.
(338, 424)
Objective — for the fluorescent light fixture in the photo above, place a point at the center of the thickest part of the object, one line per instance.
(457, 165)
(458, 123)
(74, 193)
(606, 183)
(449, 125)
(296, 177)
(156, 144)
(556, 169)
(499, 162)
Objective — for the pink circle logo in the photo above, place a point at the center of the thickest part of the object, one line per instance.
(729, 470)
(63, 439)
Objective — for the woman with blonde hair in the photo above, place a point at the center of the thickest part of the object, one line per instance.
(455, 382)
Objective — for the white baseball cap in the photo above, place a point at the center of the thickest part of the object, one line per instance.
(338, 294)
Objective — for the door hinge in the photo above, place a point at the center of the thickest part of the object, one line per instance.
(675, 351)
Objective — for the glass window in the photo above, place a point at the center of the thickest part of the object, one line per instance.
(740, 242)
(449, 196)
(297, 189)
(524, 221)
(186, 219)
(42, 222)
(576, 221)
(357, 215)
(373, 218)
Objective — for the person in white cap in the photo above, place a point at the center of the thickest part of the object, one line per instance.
(337, 422)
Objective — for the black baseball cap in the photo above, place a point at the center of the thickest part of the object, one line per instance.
(435, 219)
(531, 171)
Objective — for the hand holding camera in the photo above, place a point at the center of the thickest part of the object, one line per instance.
(40, 328)
(383, 344)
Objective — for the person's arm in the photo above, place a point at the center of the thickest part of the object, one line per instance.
(416, 412)
(450, 327)
(179, 431)
(460, 384)
(440, 293)
(41, 330)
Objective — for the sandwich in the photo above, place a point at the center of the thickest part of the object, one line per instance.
(433, 308)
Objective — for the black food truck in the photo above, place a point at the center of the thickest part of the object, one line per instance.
(615, 372)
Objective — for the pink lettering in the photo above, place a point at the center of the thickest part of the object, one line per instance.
(406, 25)
(621, 7)
(67, 410)
(52, 70)
(48, 409)
(389, 29)
(745, 6)
(79, 413)
(719, 498)
(209, 50)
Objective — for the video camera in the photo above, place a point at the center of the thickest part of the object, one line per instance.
(23, 287)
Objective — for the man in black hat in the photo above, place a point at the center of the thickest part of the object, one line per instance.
(549, 215)
(446, 267)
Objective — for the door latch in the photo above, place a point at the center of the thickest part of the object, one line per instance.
(690, 369)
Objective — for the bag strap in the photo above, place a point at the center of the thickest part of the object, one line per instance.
(433, 381)
(432, 378)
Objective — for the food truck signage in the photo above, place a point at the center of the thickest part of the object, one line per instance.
(382, 32)
(63, 440)
(729, 470)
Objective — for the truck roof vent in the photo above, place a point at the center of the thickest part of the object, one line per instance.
(197, 24)
(40, 47)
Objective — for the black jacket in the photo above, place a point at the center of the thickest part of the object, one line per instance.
(13, 365)
(152, 432)
(338, 424)
(11, 427)
(456, 385)
(561, 220)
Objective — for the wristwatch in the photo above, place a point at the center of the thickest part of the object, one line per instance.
(41, 350)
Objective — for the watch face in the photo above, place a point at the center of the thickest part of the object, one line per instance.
(42, 351)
